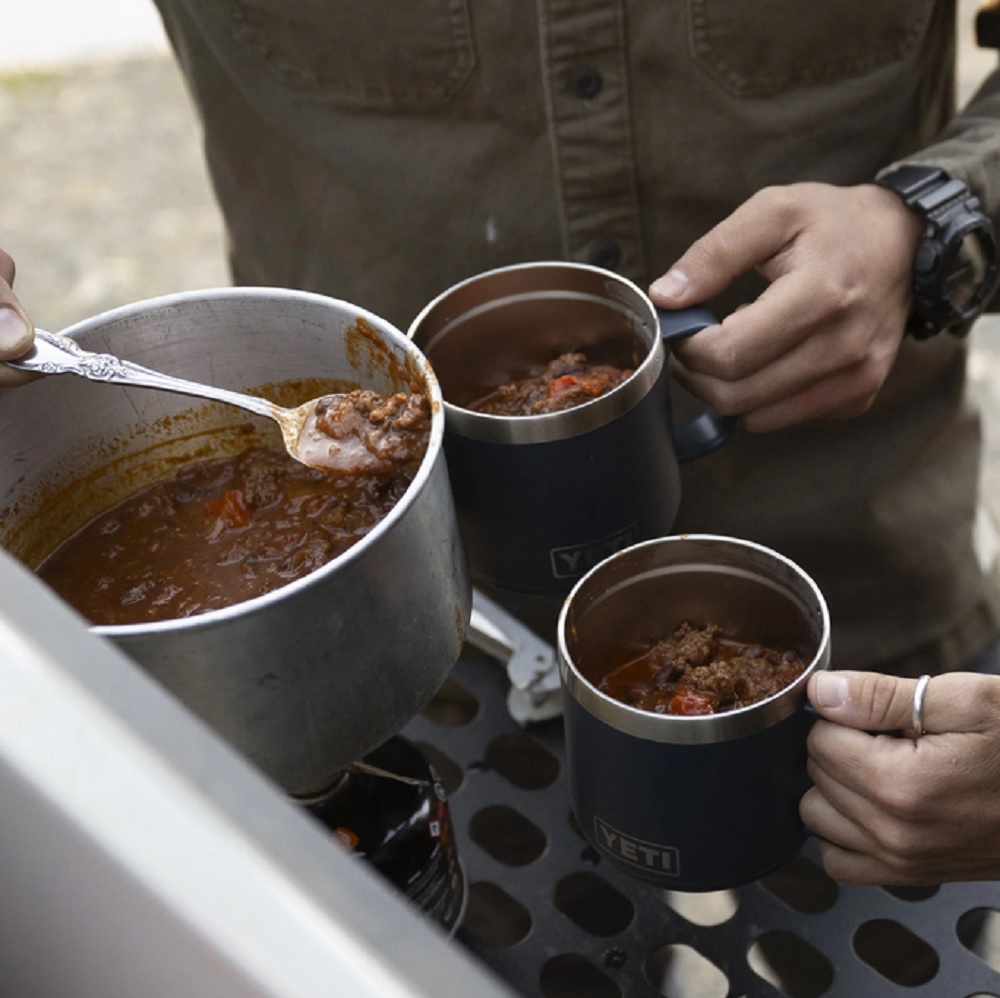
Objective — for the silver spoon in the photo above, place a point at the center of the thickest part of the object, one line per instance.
(54, 354)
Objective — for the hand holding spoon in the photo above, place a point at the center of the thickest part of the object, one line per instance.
(331, 433)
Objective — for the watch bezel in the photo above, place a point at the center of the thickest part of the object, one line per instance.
(934, 307)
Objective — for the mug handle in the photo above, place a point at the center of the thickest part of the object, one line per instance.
(707, 431)
(812, 716)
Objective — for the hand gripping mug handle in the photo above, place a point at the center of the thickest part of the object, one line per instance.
(708, 430)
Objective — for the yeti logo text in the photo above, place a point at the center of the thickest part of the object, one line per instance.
(647, 855)
(571, 562)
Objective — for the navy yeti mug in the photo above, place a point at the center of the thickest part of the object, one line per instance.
(690, 803)
(543, 498)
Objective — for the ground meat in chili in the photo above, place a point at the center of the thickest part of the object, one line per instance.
(362, 432)
(697, 671)
(221, 532)
(568, 381)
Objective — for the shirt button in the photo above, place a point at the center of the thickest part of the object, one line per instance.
(605, 253)
(586, 82)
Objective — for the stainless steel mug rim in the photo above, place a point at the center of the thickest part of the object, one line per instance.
(702, 729)
(554, 425)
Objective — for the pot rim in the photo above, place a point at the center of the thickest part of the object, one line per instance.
(391, 335)
(545, 427)
(700, 729)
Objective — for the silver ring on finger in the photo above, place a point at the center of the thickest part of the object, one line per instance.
(917, 718)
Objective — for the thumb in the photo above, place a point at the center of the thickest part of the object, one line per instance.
(16, 337)
(752, 234)
(15, 327)
(15, 330)
(870, 701)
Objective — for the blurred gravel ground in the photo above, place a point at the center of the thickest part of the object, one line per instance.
(104, 200)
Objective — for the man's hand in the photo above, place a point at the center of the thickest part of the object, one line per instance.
(899, 810)
(15, 328)
(822, 338)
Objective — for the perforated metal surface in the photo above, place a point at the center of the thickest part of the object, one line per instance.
(554, 920)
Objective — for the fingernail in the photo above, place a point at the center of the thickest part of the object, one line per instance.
(672, 284)
(13, 331)
(830, 690)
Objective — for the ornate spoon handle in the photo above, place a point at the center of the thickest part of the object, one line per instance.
(55, 354)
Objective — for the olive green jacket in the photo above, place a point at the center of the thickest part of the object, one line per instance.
(380, 151)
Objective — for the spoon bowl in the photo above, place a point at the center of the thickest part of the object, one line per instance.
(303, 436)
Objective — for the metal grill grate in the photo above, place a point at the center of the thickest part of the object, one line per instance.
(555, 921)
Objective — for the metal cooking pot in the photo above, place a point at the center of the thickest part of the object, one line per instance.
(310, 677)
(689, 803)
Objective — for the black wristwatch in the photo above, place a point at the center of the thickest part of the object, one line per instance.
(955, 270)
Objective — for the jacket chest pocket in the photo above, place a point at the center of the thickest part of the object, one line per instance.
(762, 48)
(361, 53)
